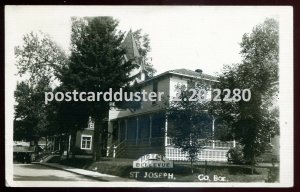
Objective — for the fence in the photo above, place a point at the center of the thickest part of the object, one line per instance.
(211, 143)
(177, 154)
(213, 150)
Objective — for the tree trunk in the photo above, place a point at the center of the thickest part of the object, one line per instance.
(252, 164)
(59, 142)
(54, 140)
(46, 145)
(36, 146)
(73, 143)
(205, 169)
(192, 168)
(68, 145)
(97, 139)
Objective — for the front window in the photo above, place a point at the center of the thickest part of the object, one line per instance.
(86, 142)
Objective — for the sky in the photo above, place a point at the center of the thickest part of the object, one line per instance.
(198, 37)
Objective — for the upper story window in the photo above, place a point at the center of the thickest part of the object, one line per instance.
(156, 91)
(202, 85)
(91, 125)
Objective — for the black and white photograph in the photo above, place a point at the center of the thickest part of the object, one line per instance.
(149, 96)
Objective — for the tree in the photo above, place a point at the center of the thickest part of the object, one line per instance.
(30, 112)
(38, 59)
(78, 28)
(143, 44)
(256, 120)
(190, 122)
(97, 64)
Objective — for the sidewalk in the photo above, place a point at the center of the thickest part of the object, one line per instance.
(87, 173)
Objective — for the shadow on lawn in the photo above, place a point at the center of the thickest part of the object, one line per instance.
(123, 167)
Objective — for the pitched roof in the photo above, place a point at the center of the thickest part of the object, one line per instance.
(130, 45)
(186, 73)
(193, 74)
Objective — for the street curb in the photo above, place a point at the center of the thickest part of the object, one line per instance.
(99, 178)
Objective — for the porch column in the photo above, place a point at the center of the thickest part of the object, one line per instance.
(137, 131)
(53, 143)
(125, 129)
(59, 142)
(234, 143)
(119, 131)
(213, 132)
(150, 129)
(69, 146)
(166, 131)
(46, 144)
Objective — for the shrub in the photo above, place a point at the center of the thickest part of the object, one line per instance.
(78, 151)
(235, 155)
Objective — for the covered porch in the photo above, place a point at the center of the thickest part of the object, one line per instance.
(135, 136)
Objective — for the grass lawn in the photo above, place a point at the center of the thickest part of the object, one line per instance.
(212, 172)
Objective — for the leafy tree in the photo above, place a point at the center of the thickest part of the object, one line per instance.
(235, 155)
(78, 28)
(189, 122)
(96, 65)
(143, 44)
(23, 124)
(31, 112)
(39, 57)
(256, 120)
(38, 60)
(68, 117)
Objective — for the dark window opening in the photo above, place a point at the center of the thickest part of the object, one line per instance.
(155, 91)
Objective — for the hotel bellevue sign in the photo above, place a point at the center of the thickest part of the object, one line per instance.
(152, 161)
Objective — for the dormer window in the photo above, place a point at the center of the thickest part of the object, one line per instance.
(91, 123)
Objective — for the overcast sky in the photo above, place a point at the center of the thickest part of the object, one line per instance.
(181, 37)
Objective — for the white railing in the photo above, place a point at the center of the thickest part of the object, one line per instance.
(212, 151)
(220, 144)
(215, 144)
(177, 154)
(115, 149)
(169, 141)
(212, 155)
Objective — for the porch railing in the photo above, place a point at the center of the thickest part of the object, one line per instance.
(116, 149)
(177, 154)
(215, 144)
(211, 151)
